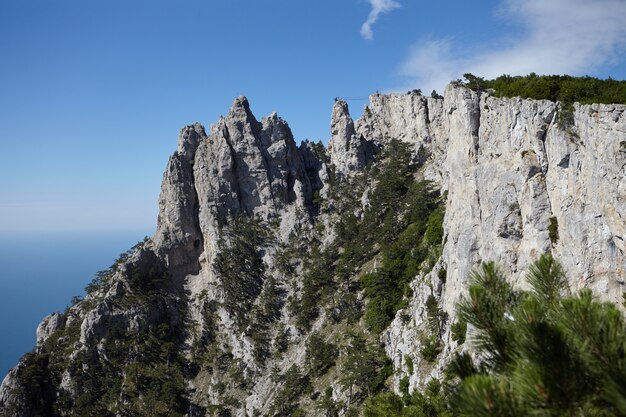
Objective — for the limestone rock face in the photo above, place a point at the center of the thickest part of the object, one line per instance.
(315, 163)
(49, 325)
(348, 151)
(178, 238)
(410, 118)
(511, 170)
(250, 167)
(396, 116)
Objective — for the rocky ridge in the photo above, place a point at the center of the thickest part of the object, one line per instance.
(517, 183)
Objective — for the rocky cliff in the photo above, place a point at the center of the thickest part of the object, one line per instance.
(248, 299)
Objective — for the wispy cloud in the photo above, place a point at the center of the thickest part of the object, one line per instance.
(378, 7)
(560, 37)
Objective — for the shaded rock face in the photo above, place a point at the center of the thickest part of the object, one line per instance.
(509, 168)
(178, 238)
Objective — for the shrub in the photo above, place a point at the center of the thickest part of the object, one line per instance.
(404, 386)
(431, 347)
(327, 405)
(365, 367)
(459, 330)
(409, 364)
(553, 230)
(285, 402)
(434, 94)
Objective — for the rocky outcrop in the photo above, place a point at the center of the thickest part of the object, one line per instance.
(178, 238)
(349, 152)
(49, 325)
(250, 167)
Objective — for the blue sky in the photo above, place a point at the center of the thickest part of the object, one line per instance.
(93, 93)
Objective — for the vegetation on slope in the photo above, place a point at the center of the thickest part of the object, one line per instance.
(563, 88)
(541, 353)
(127, 371)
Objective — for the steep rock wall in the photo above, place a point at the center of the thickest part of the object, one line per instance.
(510, 170)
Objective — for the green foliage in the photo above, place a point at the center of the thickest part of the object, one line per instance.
(365, 368)
(417, 230)
(327, 405)
(404, 386)
(145, 366)
(430, 403)
(383, 405)
(540, 353)
(395, 221)
(144, 281)
(430, 340)
(99, 280)
(383, 218)
(491, 300)
(543, 354)
(409, 364)
(320, 355)
(434, 94)
(431, 347)
(241, 266)
(434, 227)
(565, 117)
(461, 366)
(459, 330)
(285, 402)
(435, 316)
(563, 88)
(442, 275)
(263, 315)
(547, 280)
(34, 382)
(476, 83)
(553, 230)
(317, 283)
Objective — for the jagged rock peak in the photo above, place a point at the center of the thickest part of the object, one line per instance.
(241, 102)
(189, 139)
(348, 152)
(341, 124)
(240, 110)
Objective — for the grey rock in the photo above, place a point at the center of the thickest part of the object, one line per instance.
(349, 152)
(178, 239)
(49, 325)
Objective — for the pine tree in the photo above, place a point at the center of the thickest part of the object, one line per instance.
(542, 354)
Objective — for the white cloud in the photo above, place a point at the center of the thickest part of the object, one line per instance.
(573, 37)
(378, 7)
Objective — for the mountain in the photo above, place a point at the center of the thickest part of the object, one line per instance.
(301, 280)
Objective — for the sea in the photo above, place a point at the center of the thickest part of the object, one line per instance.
(40, 273)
